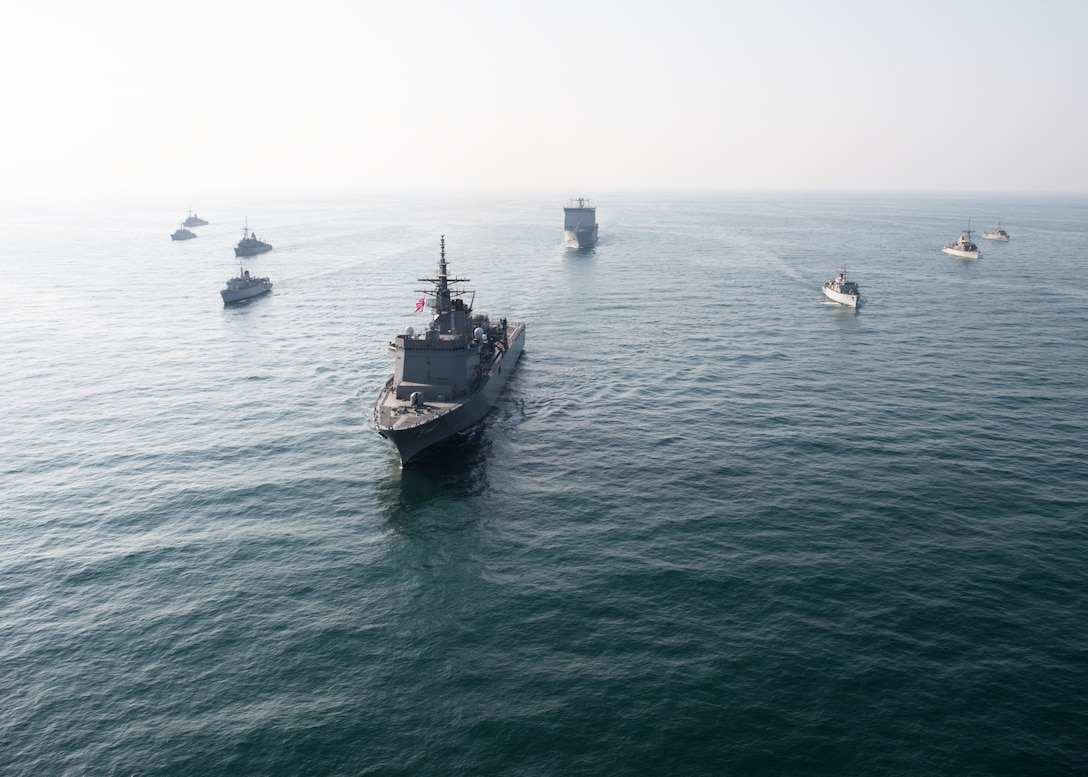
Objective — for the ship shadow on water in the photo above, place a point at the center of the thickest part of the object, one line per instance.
(461, 457)
(843, 310)
(435, 493)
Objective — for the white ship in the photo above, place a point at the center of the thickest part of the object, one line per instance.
(963, 247)
(580, 224)
(997, 234)
(843, 291)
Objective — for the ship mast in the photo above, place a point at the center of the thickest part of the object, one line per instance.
(442, 287)
(443, 297)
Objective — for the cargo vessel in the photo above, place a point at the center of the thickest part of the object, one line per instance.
(580, 224)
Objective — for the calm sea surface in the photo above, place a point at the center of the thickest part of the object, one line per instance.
(715, 526)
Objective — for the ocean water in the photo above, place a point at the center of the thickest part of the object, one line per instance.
(715, 526)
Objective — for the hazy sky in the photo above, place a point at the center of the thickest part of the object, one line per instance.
(221, 96)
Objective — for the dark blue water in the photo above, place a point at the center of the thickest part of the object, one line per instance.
(716, 525)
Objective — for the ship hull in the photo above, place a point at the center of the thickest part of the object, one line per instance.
(252, 251)
(413, 441)
(580, 238)
(850, 300)
(960, 254)
(237, 295)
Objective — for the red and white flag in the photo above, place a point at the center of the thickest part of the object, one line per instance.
(421, 305)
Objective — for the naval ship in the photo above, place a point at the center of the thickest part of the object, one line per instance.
(194, 221)
(249, 245)
(580, 224)
(244, 286)
(447, 377)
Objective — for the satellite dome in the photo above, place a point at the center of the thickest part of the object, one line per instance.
(409, 331)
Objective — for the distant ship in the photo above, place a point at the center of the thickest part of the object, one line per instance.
(580, 224)
(182, 234)
(997, 234)
(194, 221)
(244, 286)
(448, 377)
(963, 247)
(249, 245)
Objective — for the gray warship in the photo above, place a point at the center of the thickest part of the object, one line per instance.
(181, 233)
(448, 377)
(194, 221)
(580, 224)
(249, 245)
(244, 286)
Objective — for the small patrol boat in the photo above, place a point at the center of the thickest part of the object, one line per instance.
(449, 376)
(249, 245)
(194, 221)
(963, 247)
(244, 286)
(182, 234)
(997, 233)
(843, 291)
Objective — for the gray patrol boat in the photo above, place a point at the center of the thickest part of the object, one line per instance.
(249, 245)
(580, 224)
(194, 221)
(449, 376)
